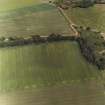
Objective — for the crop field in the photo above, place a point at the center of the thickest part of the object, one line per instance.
(42, 19)
(51, 73)
(6, 5)
(43, 65)
(85, 94)
(93, 16)
(48, 74)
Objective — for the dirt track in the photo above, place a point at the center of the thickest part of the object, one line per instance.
(70, 22)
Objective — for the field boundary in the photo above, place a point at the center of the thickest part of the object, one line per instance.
(36, 39)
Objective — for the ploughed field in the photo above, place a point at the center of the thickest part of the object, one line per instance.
(81, 94)
(47, 74)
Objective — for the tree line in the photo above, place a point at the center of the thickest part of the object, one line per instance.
(79, 3)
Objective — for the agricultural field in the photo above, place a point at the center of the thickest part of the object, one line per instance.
(41, 19)
(81, 94)
(46, 74)
(43, 65)
(92, 16)
(34, 74)
(7, 5)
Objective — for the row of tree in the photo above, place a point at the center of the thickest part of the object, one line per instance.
(79, 3)
(16, 41)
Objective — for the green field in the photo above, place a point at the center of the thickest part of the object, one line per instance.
(6, 5)
(42, 19)
(93, 16)
(48, 74)
(51, 73)
(43, 65)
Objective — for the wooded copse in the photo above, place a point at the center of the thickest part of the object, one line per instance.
(92, 45)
